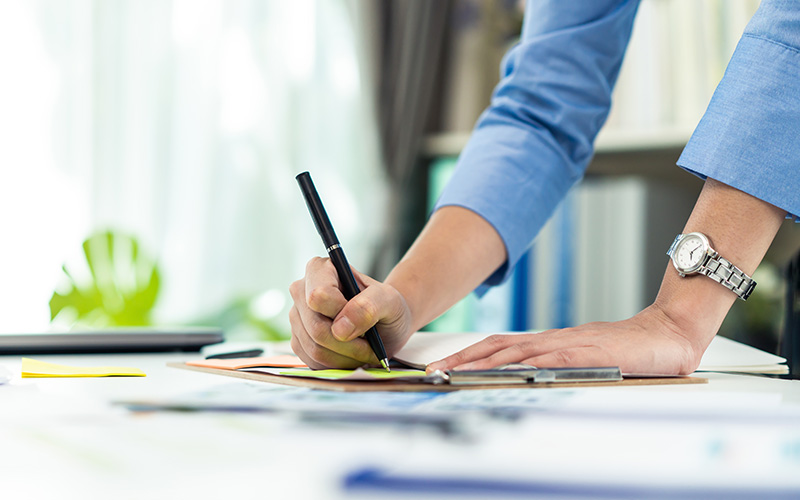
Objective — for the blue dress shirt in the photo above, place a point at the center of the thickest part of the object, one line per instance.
(536, 138)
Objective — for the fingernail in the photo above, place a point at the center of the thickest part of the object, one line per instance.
(342, 328)
(433, 367)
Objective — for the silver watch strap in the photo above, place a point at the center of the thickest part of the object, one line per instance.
(729, 276)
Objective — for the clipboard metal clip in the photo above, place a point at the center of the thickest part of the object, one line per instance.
(524, 374)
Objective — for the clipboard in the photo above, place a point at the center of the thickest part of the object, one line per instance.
(556, 378)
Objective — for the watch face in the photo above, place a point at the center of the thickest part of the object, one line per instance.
(690, 252)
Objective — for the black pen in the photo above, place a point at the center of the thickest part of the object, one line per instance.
(335, 252)
(252, 353)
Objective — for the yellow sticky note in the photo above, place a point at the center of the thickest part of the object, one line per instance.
(357, 374)
(32, 368)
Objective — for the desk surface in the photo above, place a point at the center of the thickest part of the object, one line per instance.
(66, 438)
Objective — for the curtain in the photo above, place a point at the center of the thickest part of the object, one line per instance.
(410, 50)
(183, 123)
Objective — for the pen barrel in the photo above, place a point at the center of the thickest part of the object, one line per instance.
(375, 343)
(348, 282)
(350, 289)
(324, 227)
(317, 210)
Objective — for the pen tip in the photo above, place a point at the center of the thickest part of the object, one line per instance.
(385, 365)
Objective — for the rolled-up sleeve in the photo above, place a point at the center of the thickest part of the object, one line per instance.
(749, 137)
(536, 138)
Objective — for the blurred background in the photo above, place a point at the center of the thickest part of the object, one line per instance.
(148, 151)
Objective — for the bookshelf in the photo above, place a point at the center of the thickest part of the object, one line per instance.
(676, 57)
(609, 141)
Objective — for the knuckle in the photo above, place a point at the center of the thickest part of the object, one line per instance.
(317, 298)
(296, 289)
(564, 357)
(318, 329)
(315, 263)
(316, 352)
(294, 316)
(294, 342)
(521, 347)
(458, 358)
(366, 310)
(496, 340)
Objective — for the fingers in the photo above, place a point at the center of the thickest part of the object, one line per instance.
(378, 303)
(322, 293)
(492, 349)
(312, 339)
(326, 327)
(550, 349)
(585, 356)
(315, 355)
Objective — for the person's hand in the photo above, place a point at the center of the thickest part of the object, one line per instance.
(648, 343)
(327, 329)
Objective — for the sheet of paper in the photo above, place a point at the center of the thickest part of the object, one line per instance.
(357, 374)
(722, 355)
(725, 354)
(5, 375)
(426, 347)
(32, 368)
(281, 361)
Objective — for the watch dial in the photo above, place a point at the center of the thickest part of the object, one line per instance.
(690, 252)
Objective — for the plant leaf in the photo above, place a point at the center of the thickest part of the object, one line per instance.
(113, 294)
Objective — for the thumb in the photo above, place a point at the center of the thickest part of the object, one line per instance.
(376, 303)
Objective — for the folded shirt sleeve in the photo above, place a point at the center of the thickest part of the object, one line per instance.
(749, 137)
(536, 138)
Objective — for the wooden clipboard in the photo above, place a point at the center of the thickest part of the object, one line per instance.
(400, 386)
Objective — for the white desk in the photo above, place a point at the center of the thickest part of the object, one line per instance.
(63, 438)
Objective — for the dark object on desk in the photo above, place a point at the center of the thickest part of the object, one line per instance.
(252, 353)
(115, 340)
(325, 229)
(377, 482)
(790, 339)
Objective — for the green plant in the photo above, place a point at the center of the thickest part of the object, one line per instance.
(120, 288)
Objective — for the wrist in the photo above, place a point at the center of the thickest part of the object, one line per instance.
(410, 287)
(693, 307)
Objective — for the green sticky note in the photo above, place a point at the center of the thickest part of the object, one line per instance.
(32, 368)
(357, 374)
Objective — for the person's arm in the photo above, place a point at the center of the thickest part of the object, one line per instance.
(455, 252)
(746, 147)
(670, 336)
(535, 140)
(529, 147)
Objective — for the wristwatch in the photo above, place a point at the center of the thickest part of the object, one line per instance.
(691, 253)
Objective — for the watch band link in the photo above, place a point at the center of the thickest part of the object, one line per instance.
(731, 277)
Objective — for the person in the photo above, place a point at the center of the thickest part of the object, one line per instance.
(528, 148)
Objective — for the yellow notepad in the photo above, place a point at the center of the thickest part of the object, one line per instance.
(32, 368)
(357, 374)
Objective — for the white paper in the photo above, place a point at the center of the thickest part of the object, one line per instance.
(426, 347)
(725, 354)
(722, 355)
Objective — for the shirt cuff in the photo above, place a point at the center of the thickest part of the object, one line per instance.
(518, 194)
(748, 137)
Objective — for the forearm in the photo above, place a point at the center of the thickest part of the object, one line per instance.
(455, 252)
(741, 229)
